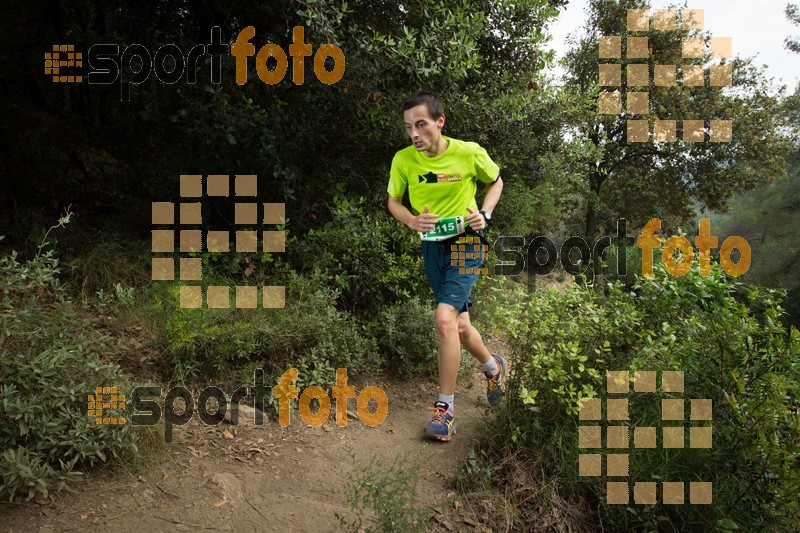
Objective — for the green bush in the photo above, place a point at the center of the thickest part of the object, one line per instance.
(109, 261)
(368, 257)
(347, 273)
(406, 337)
(49, 364)
(728, 339)
(320, 338)
(310, 334)
(633, 263)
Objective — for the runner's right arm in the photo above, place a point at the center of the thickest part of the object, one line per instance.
(423, 222)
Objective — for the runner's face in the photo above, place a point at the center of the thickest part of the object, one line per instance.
(424, 131)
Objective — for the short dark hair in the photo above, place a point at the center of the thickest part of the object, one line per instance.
(428, 99)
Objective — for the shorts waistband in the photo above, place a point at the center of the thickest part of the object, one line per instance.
(452, 240)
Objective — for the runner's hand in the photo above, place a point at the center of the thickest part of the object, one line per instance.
(475, 220)
(425, 221)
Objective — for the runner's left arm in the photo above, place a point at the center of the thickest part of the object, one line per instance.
(493, 192)
(475, 219)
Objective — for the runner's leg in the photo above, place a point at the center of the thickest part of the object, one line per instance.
(471, 339)
(494, 367)
(449, 347)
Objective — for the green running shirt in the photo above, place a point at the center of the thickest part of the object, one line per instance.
(447, 183)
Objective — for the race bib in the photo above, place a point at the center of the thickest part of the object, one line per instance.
(444, 229)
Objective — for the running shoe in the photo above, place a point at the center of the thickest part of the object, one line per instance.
(442, 426)
(495, 385)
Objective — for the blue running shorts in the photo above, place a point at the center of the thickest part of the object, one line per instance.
(447, 265)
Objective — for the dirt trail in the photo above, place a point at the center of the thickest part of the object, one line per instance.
(264, 478)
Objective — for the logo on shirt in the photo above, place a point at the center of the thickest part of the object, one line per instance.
(430, 177)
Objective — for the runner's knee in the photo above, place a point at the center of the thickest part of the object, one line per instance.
(446, 323)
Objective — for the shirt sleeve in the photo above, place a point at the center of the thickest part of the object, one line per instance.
(398, 181)
(486, 170)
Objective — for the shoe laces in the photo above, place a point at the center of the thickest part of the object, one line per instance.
(493, 381)
(438, 414)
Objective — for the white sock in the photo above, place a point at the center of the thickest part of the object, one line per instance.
(448, 399)
(491, 368)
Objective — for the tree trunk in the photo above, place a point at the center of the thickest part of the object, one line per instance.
(595, 182)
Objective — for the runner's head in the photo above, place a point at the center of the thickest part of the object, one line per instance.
(423, 115)
(429, 100)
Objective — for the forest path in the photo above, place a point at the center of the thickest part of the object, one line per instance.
(247, 478)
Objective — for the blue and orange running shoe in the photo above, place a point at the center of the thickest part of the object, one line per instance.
(495, 385)
(442, 426)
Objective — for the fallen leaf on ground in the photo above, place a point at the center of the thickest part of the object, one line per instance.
(442, 522)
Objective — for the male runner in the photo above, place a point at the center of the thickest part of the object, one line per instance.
(441, 176)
